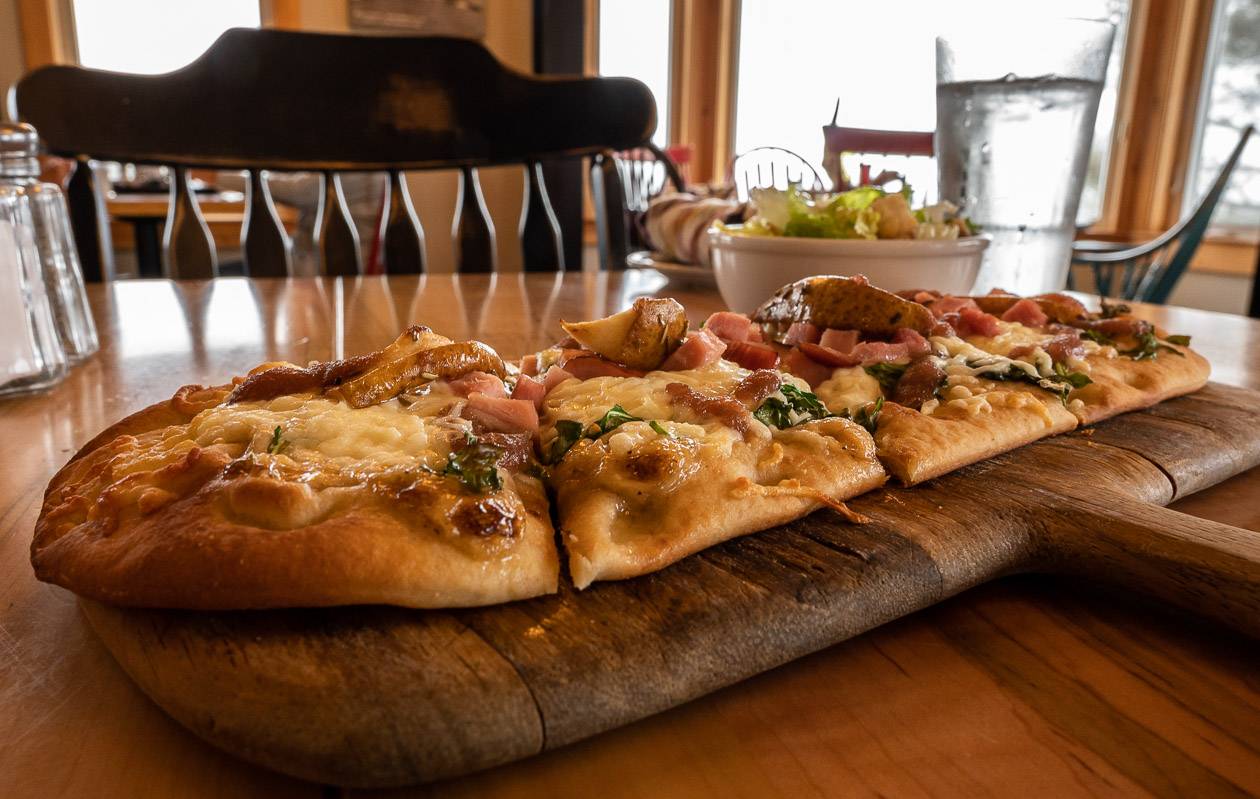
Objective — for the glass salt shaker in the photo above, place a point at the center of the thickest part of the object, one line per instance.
(31, 355)
(53, 238)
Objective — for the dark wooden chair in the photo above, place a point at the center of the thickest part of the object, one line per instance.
(274, 100)
(624, 184)
(1149, 272)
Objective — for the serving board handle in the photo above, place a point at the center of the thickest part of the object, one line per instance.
(1203, 566)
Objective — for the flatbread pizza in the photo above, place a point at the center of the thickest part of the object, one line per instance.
(653, 461)
(432, 473)
(372, 480)
(1113, 361)
(934, 402)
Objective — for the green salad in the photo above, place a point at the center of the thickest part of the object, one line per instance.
(867, 212)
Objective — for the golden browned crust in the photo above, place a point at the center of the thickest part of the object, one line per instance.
(622, 515)
(1122, 384)
(214, 528)
(915, 446)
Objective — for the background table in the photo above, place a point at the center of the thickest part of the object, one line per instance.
(1032, 685)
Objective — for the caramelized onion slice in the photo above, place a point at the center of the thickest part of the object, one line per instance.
(416, 357)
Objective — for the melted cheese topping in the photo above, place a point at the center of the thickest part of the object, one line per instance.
(586, 401)
(848, 388)
(317, 428)
(645, 397)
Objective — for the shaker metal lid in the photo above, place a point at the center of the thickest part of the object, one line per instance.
(19, 144)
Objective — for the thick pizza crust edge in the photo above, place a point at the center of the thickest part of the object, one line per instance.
(190, 555)
(917, 447)
(607, 538)
(1123, 384)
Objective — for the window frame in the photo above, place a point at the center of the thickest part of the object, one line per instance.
(1152, 138)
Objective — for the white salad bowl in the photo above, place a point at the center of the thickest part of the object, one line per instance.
(751, 268)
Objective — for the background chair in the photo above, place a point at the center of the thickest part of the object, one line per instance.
(1149, 272)
(624, 185)
(362, 104)
(772, 167)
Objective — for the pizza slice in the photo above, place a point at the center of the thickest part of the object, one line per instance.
(1105, 362)
(658, 447)
(404, 476)
(935, 402)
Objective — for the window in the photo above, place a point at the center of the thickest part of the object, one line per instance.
(1229, 99)
(634, 41)
(878, 60)
(153, 36)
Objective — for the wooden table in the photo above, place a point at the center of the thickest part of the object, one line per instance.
(1031, 685)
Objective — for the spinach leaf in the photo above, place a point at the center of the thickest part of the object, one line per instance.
(277, 444)
(801, 406)
(1097, 337)
(614, 418)
(867, 415)
(1074, 379)
(567, 434)
(1148, 348)
(1060, 383)
(887, 374)
(476, 466)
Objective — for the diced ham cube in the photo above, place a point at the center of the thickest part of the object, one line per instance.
(947, 305)
(839, 340)
(1026, 312)
(916, 344)
(729, 326)
(501, 415)
(806, 368)
(751, 355)
(555, 376)
(973, 321)
(478, 383)
(701, 348)
(529, 365)
(530, 388)
(802, 331)
(828, 356)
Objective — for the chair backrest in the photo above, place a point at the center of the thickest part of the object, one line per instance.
(772, 167)
(837, 141)
(1150, 271)
(281, 100)
(624, 185)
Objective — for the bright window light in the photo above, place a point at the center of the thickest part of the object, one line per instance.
(153, 36)
(634, 37)
(879, 60)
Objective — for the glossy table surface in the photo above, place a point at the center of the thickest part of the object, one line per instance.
(1032, 685)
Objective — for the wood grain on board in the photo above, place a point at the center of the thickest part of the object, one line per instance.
(1024, 684)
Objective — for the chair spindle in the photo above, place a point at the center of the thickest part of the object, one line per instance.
(472, 230)
(187, 248)
(266, 247)
(611, 226)
(93, 239)
(335, 235)
(542, 248)
(402, 236)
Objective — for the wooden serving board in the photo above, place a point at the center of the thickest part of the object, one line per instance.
(377, 696)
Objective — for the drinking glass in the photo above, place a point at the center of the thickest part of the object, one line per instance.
(1014, 122)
